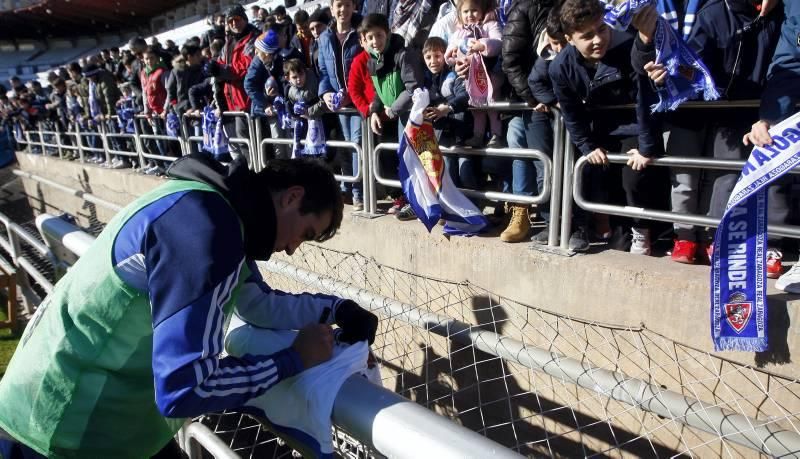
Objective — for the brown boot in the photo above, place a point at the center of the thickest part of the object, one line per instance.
(519, 226)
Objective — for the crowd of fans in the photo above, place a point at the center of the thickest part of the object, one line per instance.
(548, 54)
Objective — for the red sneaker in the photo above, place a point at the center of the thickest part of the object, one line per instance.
(396, 205)
(774, 265)
(683, 251)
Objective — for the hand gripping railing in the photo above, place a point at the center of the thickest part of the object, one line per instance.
(572, 178)
(377, 417)
(675, 217)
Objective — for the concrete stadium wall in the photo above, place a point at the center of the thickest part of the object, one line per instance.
(610, 287)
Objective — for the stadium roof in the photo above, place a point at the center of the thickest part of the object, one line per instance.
(68, 18)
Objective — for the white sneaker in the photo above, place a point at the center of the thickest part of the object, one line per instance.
(790, 281)
(640, 243)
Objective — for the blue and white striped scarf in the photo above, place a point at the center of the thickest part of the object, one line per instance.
(738, 264)
(687, 76)
(667, 10)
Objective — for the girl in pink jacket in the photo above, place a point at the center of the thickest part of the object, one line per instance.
(478, 39)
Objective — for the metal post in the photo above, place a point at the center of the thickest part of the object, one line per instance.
(373, 198)
(566, 201)
(556, 194)
(80, 142)
(751, 433)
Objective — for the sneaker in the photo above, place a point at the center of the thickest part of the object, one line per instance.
(358, 205)
(121, 164)
(620, 239)
(397, 205)
(683, 251)
(774, 265)
(705, 251)
(406, 214)
(579, 240)
(475, 142)
(542, 237)
(640, 241)
(790, 282)
(496, 142)
(519, 226)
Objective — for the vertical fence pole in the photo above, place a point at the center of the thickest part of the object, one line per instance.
(80, 142)
(556, 194)
(566, 201)
(370, 152)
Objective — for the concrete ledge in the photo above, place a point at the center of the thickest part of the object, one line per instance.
(609, 287)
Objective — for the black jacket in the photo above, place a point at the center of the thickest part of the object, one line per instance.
(525, 21)
(180, 79)
(614, 82)
(738, 62)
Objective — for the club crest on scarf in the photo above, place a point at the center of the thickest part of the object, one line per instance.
(422, 140)
(738, 311)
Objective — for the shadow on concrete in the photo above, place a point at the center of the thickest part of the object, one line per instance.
(480, 391)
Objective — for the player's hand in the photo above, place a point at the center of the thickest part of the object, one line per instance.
(597, 157)
(357, 323)
(314, 344)
(758, 135)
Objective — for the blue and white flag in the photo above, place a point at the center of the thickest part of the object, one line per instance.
(738, 278)
(687, 76)
(430, 191)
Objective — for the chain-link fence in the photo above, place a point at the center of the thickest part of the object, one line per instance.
(533, 412)
(530, 411)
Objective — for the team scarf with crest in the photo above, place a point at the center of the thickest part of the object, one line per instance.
(687, 75)
(738, 284)
(430, 191)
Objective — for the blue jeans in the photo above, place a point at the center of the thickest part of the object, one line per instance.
(532, 130)
(351, 129)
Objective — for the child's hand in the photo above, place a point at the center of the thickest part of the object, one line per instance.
(645, 22)
(269, 111)
(541, 108)
(436, 113)
(389, 113)
(376, 124)
(328, 98)
(656, 72)
(476, 46)
(637, 161)
(272, 92)
(758, 135)
(597, 157)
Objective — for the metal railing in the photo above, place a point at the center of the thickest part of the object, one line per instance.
(25, 267)
(675, 217)
(561, 173)
(361, 408)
